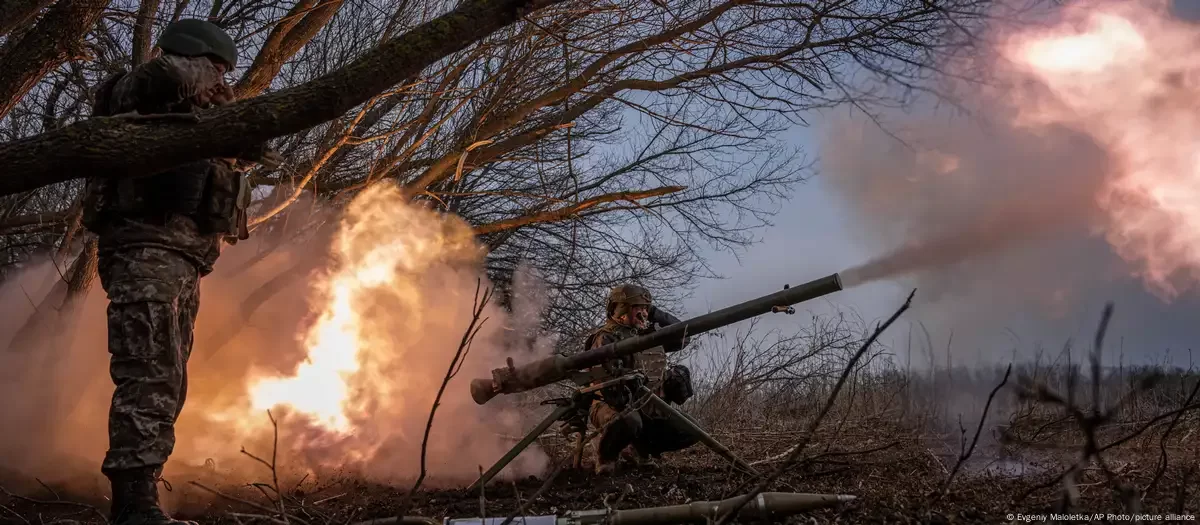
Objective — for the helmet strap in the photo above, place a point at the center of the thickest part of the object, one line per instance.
(620, 312)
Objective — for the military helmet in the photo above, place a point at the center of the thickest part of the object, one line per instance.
(630, 294)
(194, 37)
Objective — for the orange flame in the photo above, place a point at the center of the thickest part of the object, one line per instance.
(382, 249)
(1128, 74)
(349, 361)
(378, 330)
(388, 317)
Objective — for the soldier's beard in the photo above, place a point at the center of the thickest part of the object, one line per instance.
(632, 320)
(640, 320)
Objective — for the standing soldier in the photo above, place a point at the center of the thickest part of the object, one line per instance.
(158, 235)
(649, 432)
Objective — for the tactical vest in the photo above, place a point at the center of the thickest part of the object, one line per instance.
(209, 191)
(652, 362)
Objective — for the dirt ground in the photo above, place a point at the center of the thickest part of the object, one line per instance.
(897, 477)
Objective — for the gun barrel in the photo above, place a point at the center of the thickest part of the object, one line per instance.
(553, 369)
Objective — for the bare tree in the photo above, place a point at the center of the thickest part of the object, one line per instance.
(592, 142)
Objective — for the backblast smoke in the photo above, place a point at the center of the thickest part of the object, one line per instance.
(348, 362)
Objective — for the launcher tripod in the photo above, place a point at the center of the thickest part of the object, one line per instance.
(573, 412)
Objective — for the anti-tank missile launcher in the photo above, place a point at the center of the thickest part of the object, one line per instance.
(512, 379)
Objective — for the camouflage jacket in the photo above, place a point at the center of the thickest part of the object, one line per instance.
(652, 362)
(167, 84)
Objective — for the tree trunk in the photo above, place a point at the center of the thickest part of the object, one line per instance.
(54, 40)
(62, 303)
(300, 25)
(114, 147)
(16, 13)
(142, 29)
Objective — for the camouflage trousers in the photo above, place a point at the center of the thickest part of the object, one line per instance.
(651, 433)
(153, 300)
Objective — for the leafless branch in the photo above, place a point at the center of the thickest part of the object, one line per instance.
(965, 454)
(812, 427)
(464, 348)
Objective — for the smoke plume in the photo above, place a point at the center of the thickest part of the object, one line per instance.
(348, 361)
(1072, 182)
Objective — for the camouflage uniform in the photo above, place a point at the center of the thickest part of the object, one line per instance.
(158, 235)
(649, 431)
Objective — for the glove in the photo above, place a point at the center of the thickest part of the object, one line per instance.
(675, 346)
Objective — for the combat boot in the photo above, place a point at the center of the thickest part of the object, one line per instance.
(603, 466)
(632, 455)
(644, 461)
(135, 499)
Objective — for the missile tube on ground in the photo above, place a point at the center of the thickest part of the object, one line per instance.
(772, 506)
(768, 506)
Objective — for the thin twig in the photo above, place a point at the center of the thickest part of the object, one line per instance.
(1089, 423)
(816, 458)
(464, 347)
(1162, 460)
(48, 489)
(558, 468)
(966, 454)
(278, 500)
(244, 502)
(301, 482)
(84, 506)
(14, 513)
(330, 498)
(812, 428)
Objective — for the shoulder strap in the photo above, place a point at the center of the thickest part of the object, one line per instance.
(591, 338)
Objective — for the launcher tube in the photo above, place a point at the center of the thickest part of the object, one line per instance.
(553, 369)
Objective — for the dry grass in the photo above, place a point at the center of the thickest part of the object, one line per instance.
(1057, 436)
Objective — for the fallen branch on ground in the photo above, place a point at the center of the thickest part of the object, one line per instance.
(818, 457)
(82, 506)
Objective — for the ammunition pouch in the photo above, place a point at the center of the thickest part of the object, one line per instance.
(617, 396)
(94, 204)
(677, 385)
(653, 364)
(223, 209)
(209, 192)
